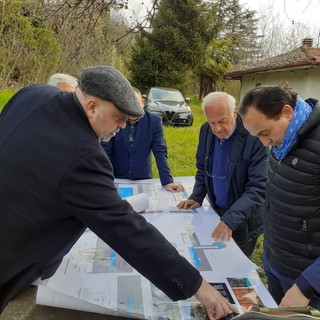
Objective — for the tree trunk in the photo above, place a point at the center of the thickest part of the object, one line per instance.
(207, 85)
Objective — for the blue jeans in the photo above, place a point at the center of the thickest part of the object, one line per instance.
(279, 284)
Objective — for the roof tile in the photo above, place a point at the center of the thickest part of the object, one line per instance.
(302, 56)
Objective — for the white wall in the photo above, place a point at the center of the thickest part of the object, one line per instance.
(306, 82)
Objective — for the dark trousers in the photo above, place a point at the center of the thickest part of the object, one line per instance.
(279, 284)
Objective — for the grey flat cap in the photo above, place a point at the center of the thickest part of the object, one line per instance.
(107, 83)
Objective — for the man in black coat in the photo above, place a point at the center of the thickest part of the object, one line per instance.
(56, 180)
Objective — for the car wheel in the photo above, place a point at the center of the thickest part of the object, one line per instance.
(191, 122)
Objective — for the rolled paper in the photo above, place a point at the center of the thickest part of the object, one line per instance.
(139, 202)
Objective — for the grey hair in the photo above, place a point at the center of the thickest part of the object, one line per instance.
(218, 95)
(56, 78)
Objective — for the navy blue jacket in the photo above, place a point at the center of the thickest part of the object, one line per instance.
(247, 177)
(137, 163)
(56, 180)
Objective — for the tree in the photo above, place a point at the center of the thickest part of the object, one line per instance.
(180, 33)
(276, 37)
(240, 28)
(41, 37)
(26, 46)
(213, 66)
(181, 42)
(234, 42)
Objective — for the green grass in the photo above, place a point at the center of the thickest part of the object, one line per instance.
(4, 98)
(256, 258)
(182, 145)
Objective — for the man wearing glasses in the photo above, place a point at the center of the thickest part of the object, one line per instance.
(232, 171)
(130, 151)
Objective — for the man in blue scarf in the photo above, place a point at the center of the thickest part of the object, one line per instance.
(291, 126)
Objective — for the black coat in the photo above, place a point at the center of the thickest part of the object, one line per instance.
(292, 211)
(56, 180)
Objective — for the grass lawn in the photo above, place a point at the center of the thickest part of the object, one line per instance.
(4, 98)
(182, 145)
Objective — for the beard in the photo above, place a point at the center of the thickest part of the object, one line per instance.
(107, 137)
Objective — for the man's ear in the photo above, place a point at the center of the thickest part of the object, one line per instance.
(235, 112)
(90, 107)
(287, 112)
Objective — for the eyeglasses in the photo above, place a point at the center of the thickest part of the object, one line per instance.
(132, 120)
(122, 117)
(220, 177)
(212, 175)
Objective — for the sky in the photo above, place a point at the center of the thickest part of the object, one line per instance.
(299, 11)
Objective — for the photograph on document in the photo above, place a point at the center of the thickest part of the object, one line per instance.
(246, 295)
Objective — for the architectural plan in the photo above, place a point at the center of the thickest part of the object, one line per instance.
(93, 277)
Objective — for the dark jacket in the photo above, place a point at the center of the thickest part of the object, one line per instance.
(247, 176)
(136, 164)
(292, 210)
(56, 180)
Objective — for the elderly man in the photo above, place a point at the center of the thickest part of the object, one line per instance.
(65, 82)
(291, 126)
(232, 171)
(56, 180)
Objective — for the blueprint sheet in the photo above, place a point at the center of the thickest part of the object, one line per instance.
(93, 277)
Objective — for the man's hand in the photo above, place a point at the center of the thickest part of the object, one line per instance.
(174, 187)
(222, 232)
(214, 303)
(188, 204)
(294, 298)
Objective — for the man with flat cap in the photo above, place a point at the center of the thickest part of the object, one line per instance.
(56, 180)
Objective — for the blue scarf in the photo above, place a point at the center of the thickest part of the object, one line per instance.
(300, 115)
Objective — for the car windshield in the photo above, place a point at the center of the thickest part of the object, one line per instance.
(171, 95)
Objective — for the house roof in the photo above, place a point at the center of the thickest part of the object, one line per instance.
(304, 56)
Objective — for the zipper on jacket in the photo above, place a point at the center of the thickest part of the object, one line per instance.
(267, 204)
(275, 171)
